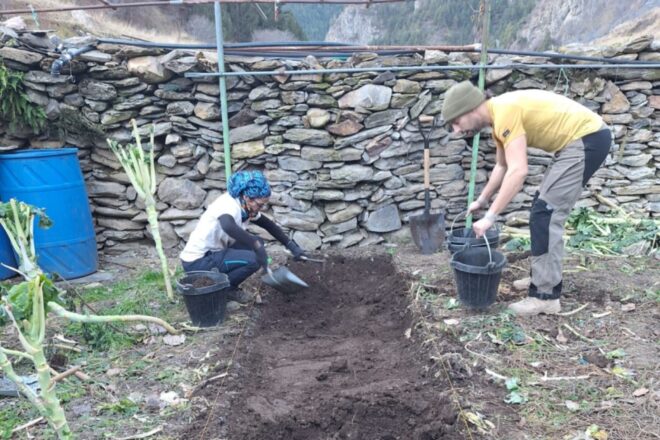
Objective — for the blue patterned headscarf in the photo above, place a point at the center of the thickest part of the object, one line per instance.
(252, 184)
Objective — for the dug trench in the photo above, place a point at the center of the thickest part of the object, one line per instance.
(339, 360)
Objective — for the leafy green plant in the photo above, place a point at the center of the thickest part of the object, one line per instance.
(124, 407)
(141, 171)
(15, 107)
(611, 234)
(518, 244)
(516, 394)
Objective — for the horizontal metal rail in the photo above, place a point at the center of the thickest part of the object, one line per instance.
(426, 68)
(187, 2)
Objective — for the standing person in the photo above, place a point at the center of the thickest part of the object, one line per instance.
(220, 241)
(580, 142)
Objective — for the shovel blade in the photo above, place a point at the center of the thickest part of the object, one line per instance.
(284, 280)
(428, 232)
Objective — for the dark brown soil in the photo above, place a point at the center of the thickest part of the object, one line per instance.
(198, 283)
(333, 362)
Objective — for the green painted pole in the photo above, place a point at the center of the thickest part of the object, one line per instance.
(482, 80)
(219, 41)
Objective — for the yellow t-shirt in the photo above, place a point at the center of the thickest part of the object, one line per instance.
(548, 120)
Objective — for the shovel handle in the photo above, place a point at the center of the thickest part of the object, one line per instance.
(427, 156)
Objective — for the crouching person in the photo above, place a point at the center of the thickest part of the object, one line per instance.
(220, 241)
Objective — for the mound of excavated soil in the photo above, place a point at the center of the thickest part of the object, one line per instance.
(332, 362)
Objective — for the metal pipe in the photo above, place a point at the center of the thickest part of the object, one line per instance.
(417, 68)
(467, 48)
(247, 46)
(186, 2)
(560, 56)
(485, 10)
(322, 48)
(66, 57)
(219, 41)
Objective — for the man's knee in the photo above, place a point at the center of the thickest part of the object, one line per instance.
(539, 226)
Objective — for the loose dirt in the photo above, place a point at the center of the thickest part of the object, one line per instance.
(333, 361)
(376, 348)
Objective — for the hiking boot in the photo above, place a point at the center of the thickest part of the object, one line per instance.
(532, 306)
(238, 295)
(522, 284)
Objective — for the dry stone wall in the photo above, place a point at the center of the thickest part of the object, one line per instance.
(342, 151)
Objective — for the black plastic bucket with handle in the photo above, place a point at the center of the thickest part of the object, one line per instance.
(461, 238)
(205, 296)
(477, 271)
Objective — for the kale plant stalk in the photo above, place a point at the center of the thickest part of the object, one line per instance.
(26, 305)
(18, 220)
(142, 173)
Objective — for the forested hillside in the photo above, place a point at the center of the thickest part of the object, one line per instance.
(240, 20)
(520, 24)
(429, 22)
(314, 19)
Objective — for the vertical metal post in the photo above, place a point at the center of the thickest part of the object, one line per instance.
(219, 41)
(482, 81)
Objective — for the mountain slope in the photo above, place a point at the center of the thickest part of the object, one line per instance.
(554, 23)
(519, 24)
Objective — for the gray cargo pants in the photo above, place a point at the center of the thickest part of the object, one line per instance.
(560, 189)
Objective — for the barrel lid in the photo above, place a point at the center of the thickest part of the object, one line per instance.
(26, 154)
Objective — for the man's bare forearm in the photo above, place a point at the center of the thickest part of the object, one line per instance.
(494, 183)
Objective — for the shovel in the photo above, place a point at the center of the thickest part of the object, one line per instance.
(428, 230)
(284, 280)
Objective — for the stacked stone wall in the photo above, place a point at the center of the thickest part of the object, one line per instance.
(342, 151)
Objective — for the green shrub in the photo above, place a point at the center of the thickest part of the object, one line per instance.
(15, 108)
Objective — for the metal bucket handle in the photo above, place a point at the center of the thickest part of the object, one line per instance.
(451, 229)
(491, 264)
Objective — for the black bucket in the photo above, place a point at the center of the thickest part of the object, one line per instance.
(461, 238)
(205, 297)
(477, 271)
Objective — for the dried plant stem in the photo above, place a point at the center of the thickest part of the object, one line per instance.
(76, 317)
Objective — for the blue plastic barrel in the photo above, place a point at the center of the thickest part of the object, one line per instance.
(52, 179)
(6, 256)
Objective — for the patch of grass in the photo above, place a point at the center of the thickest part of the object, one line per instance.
(144, 294)
(170, 376)
(501, 328)
(68, 390)
(123, 407)
(101, 337)
(632, 269)
(652, 295)
(137, 367)
(10, 418)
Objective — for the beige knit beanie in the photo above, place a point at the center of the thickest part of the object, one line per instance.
(460, 99)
